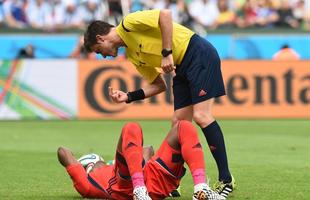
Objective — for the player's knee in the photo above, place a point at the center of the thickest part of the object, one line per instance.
(186, 130)
(184, 123)
(132, 128)
(131, 131)
(187, 133)
(186, 127)
(202, 118)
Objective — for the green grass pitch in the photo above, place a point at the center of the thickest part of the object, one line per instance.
(269, 158)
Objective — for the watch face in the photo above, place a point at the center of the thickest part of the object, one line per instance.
(166, 52)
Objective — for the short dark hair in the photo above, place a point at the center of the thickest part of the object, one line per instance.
(95, 28)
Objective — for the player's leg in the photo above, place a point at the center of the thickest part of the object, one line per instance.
(183, 109)
(77, 174)
(182, 139)
(130, 149)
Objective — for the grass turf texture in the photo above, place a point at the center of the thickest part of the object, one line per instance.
(269, 158)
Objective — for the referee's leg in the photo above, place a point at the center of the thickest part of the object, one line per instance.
(202, 115)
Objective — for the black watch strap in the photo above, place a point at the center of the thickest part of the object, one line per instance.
(166, 52)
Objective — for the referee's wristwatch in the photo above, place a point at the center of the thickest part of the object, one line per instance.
(166, 52)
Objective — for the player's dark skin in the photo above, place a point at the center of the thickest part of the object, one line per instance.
(66, 157)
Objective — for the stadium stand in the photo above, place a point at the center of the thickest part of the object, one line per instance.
(233, 26)
(55, 15)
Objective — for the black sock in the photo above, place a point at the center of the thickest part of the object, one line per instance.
(215, 139)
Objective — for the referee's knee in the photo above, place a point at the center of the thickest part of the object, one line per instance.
(202, 118)
(174, 120)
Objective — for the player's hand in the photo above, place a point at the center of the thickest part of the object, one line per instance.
(117, 96)
(167, 64)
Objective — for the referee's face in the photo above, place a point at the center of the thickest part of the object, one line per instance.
(105, 47)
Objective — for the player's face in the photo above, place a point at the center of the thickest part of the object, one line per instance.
(105, 48)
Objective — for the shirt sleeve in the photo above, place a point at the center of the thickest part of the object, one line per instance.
(141, 20)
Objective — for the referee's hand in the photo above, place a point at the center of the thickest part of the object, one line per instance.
(167, 64)
(117, 96)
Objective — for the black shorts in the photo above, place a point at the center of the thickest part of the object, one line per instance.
(198, 77)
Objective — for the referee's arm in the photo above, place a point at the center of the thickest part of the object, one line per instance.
(156, 87)
(165, 24)
(166, 28)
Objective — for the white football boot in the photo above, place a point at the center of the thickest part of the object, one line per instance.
(140, 193)
(203, 192)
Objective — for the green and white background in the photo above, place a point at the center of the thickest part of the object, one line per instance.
(34, 89)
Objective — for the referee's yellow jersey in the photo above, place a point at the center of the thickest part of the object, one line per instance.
(141, 33)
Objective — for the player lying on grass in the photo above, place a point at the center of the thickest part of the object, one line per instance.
(131, 177)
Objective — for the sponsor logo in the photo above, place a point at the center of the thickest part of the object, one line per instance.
(202, 93)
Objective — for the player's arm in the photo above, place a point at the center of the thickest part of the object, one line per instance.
(166, 28)
(65, 157)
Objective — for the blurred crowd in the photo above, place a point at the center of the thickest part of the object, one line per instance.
(201, 15)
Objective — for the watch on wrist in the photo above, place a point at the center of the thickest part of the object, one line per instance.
(166, 52)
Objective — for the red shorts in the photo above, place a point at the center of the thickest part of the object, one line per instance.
(162, 174)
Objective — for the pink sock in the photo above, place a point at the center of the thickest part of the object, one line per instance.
(199, 176)
(137, 179)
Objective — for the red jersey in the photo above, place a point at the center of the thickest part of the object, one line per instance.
(107, 182)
